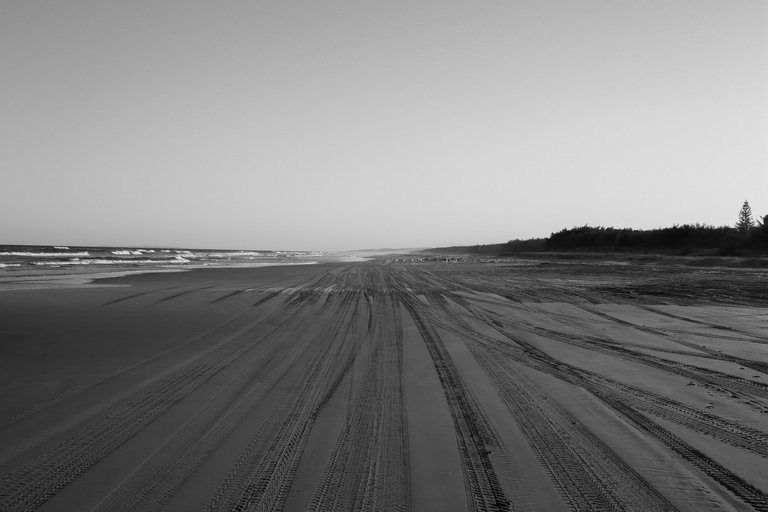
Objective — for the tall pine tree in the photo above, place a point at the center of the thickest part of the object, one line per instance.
(745, 222)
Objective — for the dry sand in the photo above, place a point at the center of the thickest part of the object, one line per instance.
(388, 385)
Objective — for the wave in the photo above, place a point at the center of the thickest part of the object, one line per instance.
(129, 252)
(233, 254)
(299, 254)
(110, 261)
(46, 254)
(141, 257)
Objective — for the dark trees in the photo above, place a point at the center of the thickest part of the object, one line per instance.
(745, 222)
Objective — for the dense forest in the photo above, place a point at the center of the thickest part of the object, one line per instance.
(746, 237)
(678, 239)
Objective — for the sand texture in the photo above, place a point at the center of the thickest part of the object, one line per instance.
(388, 385)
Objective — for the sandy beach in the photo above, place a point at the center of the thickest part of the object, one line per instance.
(388, 385)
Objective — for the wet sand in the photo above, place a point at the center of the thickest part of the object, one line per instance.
(387, 385)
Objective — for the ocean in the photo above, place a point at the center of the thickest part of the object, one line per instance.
(28, 257)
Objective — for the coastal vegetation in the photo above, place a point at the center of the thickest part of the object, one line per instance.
(746, 237)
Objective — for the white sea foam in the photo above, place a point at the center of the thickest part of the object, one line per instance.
(101, 261)
(299, 254)
(45, 254)
(126, 252)
(61, 247)
(233, 254)
(6, 265)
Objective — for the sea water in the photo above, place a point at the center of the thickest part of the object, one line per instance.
(61, 257)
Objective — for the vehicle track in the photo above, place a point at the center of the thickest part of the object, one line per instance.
(38, 480)
(710, 353)
(161, 475)
(629, 402)
(726, 430)
(368, 469)
(226, 296)
(29, 411)
(484, 493)
(339, 339)
(723, 476)
(185, 292)
(140, 294)
(590, 475)
(752, 337)
(35, 483)
(603, 345)
(262, 475)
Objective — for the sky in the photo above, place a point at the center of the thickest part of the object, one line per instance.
(337, 125)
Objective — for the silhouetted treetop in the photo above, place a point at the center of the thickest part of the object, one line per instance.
(745, 222)
(745, 237)
(677, 238)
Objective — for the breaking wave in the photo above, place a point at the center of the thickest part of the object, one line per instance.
(19, 257)
(46, 254)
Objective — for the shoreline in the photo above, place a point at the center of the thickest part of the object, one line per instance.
(82, 277)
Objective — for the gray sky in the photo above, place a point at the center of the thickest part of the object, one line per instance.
(355, 124)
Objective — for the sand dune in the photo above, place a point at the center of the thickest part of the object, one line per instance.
(388, 385)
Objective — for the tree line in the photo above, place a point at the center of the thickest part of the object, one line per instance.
(747, 235)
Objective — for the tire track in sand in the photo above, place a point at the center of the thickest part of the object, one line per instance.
(153, 483)
(261, 477)
(625, 404)
(723, 429)
(610, 347)
(368, 469)
(590, 475)
(18, 416)
(40, 479)
(484, 493)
